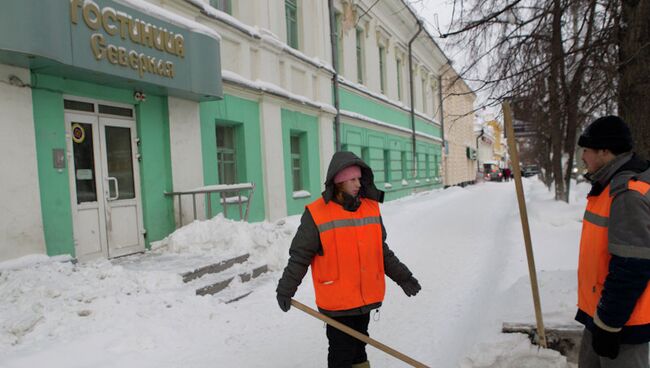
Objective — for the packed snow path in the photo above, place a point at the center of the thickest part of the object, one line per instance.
(463, 244)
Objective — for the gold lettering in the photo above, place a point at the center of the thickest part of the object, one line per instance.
(147, 34)
(109, 14)
(170, 69)
(74, 4)
(97, 44)
(92, 23)
(121, 56)
(133, 59)
(134, 32)
(180, 50)
(143, 64)
(124, 25)
(170, 46)
(157, 38)
(111, 54)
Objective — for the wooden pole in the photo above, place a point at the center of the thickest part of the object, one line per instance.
(514, 159)
(357, 335)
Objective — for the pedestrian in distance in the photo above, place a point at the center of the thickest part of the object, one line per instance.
(342, 237)
(614, 261)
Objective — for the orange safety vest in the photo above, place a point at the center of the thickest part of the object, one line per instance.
(350, 273)
(593, 265)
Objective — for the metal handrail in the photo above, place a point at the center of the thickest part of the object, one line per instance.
(225, 201)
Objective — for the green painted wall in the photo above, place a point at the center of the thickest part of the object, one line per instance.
(307, 127)
(245, 116)
(155, 165)
(385, 151)
(362, 104)
(49, 126)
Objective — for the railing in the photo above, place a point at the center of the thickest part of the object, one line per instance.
(221, 189)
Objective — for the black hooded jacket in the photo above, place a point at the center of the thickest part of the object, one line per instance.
(306, 244)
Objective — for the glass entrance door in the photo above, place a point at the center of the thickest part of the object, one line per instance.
(105, 186)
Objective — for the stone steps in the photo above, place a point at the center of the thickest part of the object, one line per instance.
(214, 278)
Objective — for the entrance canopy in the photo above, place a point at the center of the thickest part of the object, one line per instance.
(126, 43)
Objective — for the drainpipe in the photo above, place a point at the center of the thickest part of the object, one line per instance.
(442, 123)
(415, 161)
(335, 77)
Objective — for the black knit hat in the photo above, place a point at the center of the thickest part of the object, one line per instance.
(609, 132)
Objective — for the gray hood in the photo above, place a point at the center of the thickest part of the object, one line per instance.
(340, 161)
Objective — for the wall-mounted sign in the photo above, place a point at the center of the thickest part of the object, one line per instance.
(119, 24)
(130, 44)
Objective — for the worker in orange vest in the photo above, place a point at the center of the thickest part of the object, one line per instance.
(614, 262)
(342, 237)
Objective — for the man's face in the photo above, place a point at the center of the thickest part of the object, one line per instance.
(594, 159)
(351, 186)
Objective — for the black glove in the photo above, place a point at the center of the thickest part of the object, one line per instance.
(605, 343)
(411, 286)
(284, 302)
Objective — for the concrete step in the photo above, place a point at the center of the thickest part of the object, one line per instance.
(214, 268)
(220, 285)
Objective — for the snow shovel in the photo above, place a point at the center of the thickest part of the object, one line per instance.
(357, 335)
(514, 158)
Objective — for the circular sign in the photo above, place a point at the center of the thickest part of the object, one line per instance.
(78, 133)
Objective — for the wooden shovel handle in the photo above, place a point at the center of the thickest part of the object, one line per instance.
(357, 335)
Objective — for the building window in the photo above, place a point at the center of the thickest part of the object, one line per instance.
(403, 159)
(359, 35)
(338, 43)
(291, 13)
(297, 171)
(382, 69)
(424, 95)
(427, 171)
(223, 5)
(435, 166)
(387, 174)
(436, 100)
(226, 154)
(399, 79)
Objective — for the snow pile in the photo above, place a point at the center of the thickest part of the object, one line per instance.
(228, 238)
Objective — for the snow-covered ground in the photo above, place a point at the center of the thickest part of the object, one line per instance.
(465, 245)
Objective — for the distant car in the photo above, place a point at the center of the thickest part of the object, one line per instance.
(492, 172)
(530, 170)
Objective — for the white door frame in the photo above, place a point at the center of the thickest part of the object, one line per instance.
(104, 239)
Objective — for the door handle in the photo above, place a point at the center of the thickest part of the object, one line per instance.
(117, 189)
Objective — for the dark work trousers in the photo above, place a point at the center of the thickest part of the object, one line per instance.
(345, 350)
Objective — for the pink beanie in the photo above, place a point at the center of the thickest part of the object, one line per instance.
(348, 173)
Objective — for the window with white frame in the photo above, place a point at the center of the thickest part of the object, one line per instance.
(360, 58)
(227, 154)
(297, 170)
(382, 69)
(291, 15)
(424, 94)
(398, 63)
(223, 5)
(338, 44)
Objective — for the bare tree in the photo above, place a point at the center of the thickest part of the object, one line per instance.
(550, 51)
(634, 70)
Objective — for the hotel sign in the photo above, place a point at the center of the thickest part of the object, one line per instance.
(128, 29)
(113, 42)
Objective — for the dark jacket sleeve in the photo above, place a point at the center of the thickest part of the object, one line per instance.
(393, 268)
(304, 246)
(629, 267)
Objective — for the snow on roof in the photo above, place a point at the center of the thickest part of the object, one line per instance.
(168, 16)
(230, 76)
